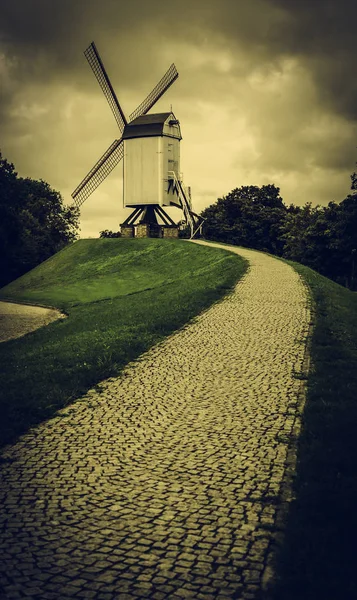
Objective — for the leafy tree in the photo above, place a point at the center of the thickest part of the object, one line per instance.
(9, 221)
(303, 234)
(344, 242)
(324, 238)
(34, 224)
(249, 216)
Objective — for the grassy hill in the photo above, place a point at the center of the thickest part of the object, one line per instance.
(121, 297)
(103, 269)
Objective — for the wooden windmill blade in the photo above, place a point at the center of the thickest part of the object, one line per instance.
(111, 157)
(170, 76)
(96, 64)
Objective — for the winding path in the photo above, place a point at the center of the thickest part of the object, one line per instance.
(18, 319)
(166, 482)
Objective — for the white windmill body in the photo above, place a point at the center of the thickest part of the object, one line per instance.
(151, 154)
(150, 148)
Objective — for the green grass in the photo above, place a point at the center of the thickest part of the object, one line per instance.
(121, 297)
(318, 557)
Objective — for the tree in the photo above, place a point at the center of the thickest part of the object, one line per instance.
(300, 233)
(9, 221)
(344, 242)
(248, 216)
(324, 238)
(34, 224)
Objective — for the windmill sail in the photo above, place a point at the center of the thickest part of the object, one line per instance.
(170, 76)
(111, 157)
(99, 71)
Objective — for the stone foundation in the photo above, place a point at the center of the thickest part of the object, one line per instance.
(127, 231)
(143, 230)
(169, 232)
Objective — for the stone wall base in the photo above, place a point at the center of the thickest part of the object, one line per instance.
(169, 232)
(144, 230)
(127, 231)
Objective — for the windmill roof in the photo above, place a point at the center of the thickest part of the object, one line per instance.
(147, 125)
(149, 119)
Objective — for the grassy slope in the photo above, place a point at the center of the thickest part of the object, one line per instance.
(318, 559)
(122, 296)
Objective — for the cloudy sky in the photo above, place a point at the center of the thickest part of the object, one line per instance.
(267, 93)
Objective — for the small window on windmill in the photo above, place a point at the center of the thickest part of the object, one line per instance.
(170, 155)
(170, 152)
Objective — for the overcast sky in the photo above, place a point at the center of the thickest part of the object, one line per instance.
(267, 93)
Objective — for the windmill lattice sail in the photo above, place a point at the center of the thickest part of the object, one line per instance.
(170, 76)
(95, 62)
(111, 157)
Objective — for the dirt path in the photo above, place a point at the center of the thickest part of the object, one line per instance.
(167, 482)
(18, 319)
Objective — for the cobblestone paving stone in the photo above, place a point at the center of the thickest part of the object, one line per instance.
(165, 483)
(18, 319)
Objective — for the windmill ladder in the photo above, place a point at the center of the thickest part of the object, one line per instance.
(194, 221)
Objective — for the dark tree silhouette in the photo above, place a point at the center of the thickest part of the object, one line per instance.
(248, 216)
(34, 223)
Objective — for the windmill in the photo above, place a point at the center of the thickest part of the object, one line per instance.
(149, 147)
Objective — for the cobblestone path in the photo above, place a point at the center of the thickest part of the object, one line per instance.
(166, 482)
(18, 319)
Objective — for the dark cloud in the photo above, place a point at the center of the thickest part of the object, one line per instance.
(267, 89)
(43, 39)
(323, 34)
